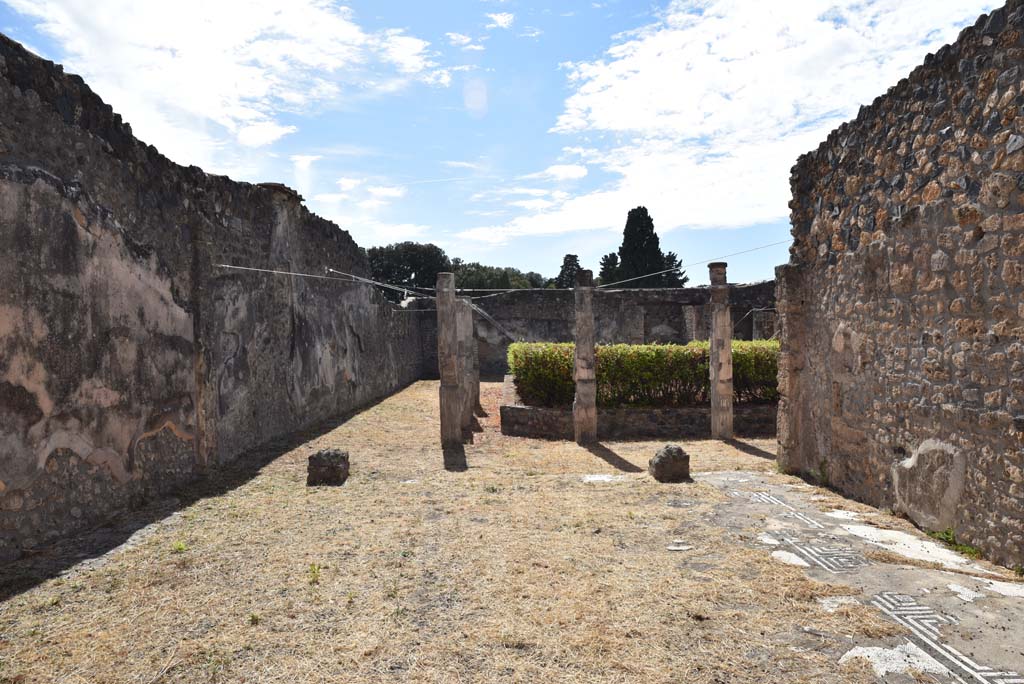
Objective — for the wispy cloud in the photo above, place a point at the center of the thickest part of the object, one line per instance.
(386, 192)
(561, 172)
(475, 166)
(458, 39)
(463, 41)
(502, 20)
(229, 72)
(708, 108)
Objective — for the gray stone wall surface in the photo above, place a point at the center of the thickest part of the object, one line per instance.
(129, 362)
(633, 316)
(902, 307)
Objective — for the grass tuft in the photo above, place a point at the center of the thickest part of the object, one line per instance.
(948, 537)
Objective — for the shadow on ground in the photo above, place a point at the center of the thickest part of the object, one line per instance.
(750, 449)
(613, 459)
(43, 563)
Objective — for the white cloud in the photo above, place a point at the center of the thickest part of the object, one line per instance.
(533, 204)
(463, 41)
(369, 231)
(473, 166)
(372, 204)
(531, 32)
(474, 48)
(458, 39)
(561, 172)
(386, 192)
(502, 20)
(708, 108)
(204, 80)
(263, 133)
(407, 53)
(347, 184)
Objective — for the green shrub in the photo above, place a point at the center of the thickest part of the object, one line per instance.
(642, 375)
(543, 372)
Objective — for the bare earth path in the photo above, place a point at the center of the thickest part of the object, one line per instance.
(544, 562)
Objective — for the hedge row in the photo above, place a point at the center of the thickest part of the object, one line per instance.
(652, 375)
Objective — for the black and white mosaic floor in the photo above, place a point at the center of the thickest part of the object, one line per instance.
(965, 623)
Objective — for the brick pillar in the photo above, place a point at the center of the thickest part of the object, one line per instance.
(720, 355)
(584, 407)
(448, 361)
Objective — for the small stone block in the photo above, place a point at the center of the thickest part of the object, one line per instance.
(670, 464)
(327, 468)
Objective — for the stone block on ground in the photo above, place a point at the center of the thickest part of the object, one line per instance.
(670, 464)
(327, 468)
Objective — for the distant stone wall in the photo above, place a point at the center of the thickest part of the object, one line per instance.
(902, 308)
(640, 316)
(129, 362)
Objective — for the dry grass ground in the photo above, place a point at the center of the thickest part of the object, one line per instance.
(513, 571)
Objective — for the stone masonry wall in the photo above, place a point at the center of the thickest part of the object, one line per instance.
(634, 316)
(902, 307)
(128, 361)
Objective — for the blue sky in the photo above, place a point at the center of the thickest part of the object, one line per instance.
(506, 131)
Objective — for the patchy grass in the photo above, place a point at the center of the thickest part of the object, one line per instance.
(948, 537)
(513, 571)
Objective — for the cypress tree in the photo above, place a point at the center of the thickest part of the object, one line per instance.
(640, 254)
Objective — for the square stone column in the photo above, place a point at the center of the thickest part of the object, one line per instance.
(466, 343)
(584, 407)
(448, 361)
(720, 354)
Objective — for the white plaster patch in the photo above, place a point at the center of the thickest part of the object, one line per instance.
(963, 593)
(923, 510)
(899, 660)
(843, 515)
(1004, 588)
(790, 559)
(909, 546)
(602, 478)
(768, 539)
(831, 603)
(679, 547)
(409, 481)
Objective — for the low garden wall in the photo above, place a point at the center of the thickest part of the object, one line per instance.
(644, 391)
(690, 422)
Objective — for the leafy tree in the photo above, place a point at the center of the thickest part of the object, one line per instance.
(640, 254)
(407, 263)
(609, 268)
(412, 264)
(535, 279)
(473, 275)
(567, 276)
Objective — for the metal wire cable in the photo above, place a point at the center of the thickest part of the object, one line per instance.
(276, 272)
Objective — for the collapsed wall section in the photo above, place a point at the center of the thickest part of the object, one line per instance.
(129, 361)
(902, 368)
(627, 316)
